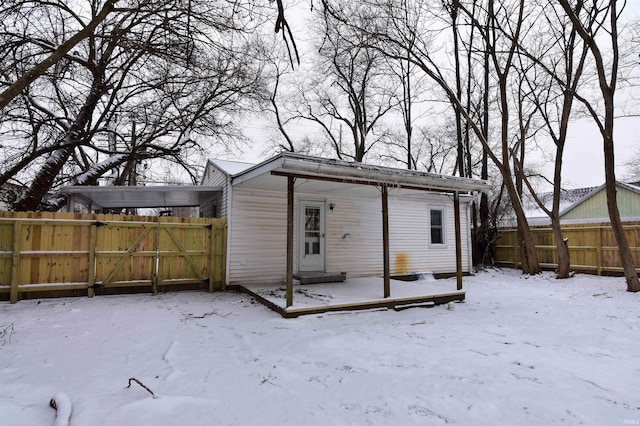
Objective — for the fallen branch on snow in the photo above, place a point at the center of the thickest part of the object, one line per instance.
(62, 404)
(133, 379)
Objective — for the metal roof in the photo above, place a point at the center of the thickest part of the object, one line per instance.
(142, 196)
(268, 174)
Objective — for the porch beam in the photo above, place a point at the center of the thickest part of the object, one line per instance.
(385, 241)
(290, 189)
(456, 217)
(356, 181)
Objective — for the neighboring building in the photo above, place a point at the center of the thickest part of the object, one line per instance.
(218, 173)
(585, 205)
(337, 218)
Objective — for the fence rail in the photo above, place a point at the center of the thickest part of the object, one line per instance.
(592, 247)
(85, 253)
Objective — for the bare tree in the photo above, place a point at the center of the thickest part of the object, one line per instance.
(632, 165)
(54, 52)
(557, 59)
(350, 91)
(169, 69)
(412, 88)
(501, 30)
(452, 7)
(57, 52)
(586, 23)
(278, 73)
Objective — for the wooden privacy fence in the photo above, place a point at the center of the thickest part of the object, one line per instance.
(592, 247)
(67, 253)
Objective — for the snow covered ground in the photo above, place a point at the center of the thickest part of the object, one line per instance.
(521, 351)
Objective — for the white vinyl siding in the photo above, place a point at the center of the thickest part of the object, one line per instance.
(215, 206)
(257, 237)
(257, 234)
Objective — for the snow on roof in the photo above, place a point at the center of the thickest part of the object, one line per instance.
(567, 198)
(354, 172)
(231, 167)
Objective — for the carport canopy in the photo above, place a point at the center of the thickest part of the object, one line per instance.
(102, 197)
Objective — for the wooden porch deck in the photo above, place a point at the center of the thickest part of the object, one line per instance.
(353, 294)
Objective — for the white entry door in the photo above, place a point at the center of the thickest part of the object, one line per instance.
(311, 236)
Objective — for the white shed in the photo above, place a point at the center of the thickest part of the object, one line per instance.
(295, 215)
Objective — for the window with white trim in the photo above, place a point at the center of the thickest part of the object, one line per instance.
(436, 225)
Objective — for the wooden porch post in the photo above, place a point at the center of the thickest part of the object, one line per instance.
(385, 241)
(456, 216)
(290, 182)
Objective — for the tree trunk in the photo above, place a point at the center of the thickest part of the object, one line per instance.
(42, 183)
(626, 257)
(456, 55)
(483, 235)
(528, 251)
(562, 249)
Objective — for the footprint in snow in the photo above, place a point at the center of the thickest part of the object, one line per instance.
(425, 412)
(519, 364)
(318, 364)
(350, 369)
(369, 409)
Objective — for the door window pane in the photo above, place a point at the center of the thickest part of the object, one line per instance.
(311, 230)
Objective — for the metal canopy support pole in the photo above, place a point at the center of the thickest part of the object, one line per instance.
(290, 182)
(385, 240)
(456, 215)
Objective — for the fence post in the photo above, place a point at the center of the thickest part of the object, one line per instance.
(213, 265)
(516, 250)
(223, 256)
(218, 260)
(156, 279)
(599, 249)
(15, 262)
(91, 280)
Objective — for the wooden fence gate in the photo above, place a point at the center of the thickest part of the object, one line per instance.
(49, 254)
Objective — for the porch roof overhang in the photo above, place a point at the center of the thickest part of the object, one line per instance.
(142, 196)
(324, 172)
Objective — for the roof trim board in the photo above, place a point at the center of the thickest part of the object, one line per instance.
(289, 164)
(142, 196)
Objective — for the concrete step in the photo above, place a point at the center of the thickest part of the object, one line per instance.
(319, 277)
